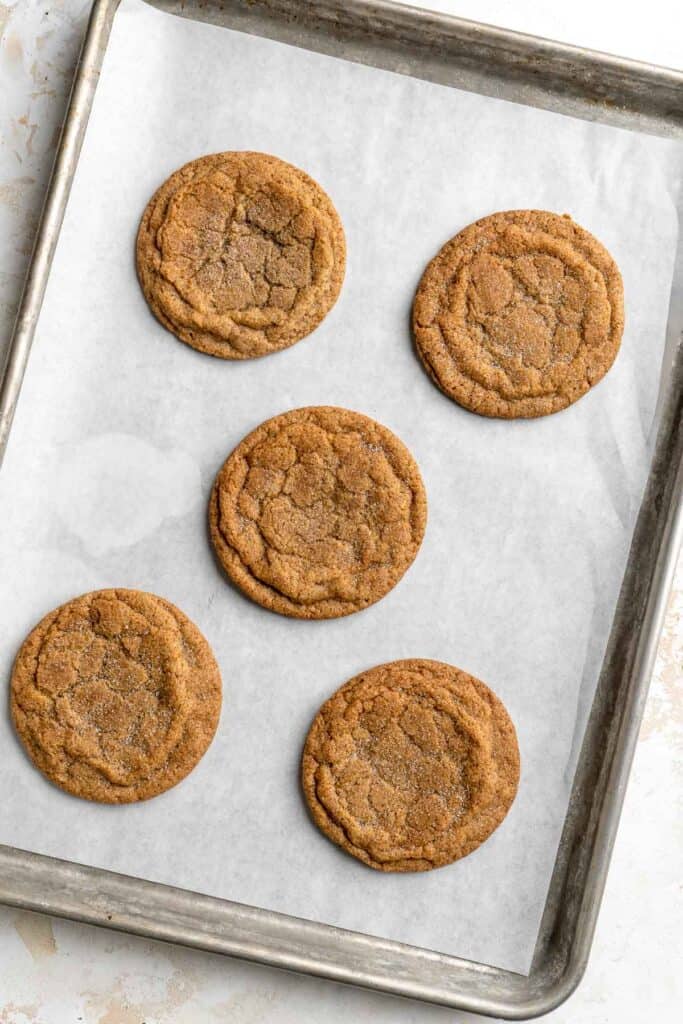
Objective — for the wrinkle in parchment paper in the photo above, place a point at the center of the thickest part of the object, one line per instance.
(121, 428)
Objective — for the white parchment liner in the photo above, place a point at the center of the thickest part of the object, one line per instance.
(121, 428)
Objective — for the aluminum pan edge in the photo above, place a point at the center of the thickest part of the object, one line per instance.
(450, 50)
(68, 150)
(87, 894)
(455, 51)
(48, 885)
(156, 911)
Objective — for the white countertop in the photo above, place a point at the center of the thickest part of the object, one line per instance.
(55, 972)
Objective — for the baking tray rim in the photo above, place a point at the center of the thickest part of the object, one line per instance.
(91, 895)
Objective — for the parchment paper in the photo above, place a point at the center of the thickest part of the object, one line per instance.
(121, 428)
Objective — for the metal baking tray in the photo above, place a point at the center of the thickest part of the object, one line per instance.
(528, 70)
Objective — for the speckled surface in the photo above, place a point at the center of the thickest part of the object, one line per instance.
(53, 971)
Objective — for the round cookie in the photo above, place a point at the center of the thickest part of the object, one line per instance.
(411, 765)
(115, 695)
(240, 254)
(519, 315)
(318, 512)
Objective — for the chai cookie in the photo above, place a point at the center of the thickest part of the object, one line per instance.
(115, 696)
(519, 315)
(240, 254)
(411, 765)
(318, 512)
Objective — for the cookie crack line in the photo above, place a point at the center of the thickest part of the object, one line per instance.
(519, 315)
(115, 738)
(96, 759)
(415, 829)
(240, 254)
(335, 531)
(348, 527)
(403, 864)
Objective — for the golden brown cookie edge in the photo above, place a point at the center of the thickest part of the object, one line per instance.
(269, 598)
(124, 795)
(469, 394)
(204, 341)
(508, 753)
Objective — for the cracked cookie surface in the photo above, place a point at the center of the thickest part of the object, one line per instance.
(519, 315)
(318, 512)
(115, 696)
(240, 254)
(410, 765)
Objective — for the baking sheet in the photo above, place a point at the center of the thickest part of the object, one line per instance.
(120, 430)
